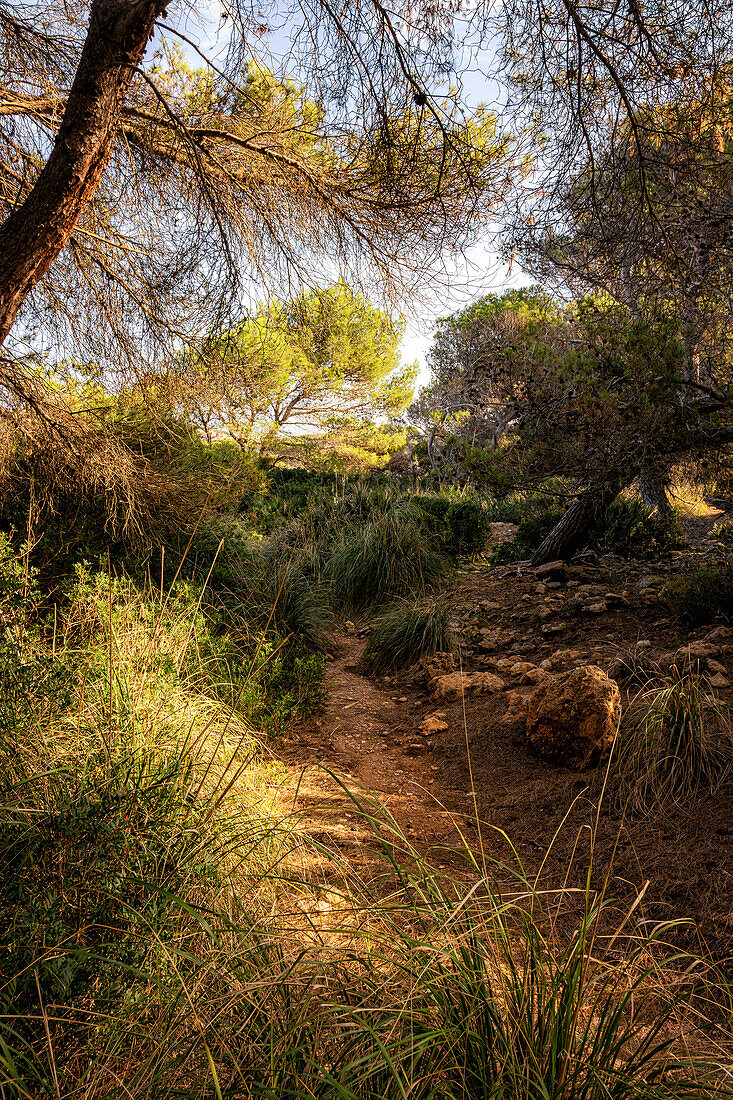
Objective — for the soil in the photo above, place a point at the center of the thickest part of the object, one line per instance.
(476, 783)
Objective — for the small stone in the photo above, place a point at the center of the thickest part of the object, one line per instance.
(457, 684)
(715, 666)
(553, 584)
(433, 723)
(616, 599)
(597, 608)
(644, 644)
(553, 628)
(554, 569)
(518, 668)
(719, 681)
(534, 676)
(546, 664)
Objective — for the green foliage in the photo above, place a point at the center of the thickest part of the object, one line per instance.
(633, 530)
(457, 524)
(77, 863)
(723, 529)
(534, 526)
(388, 557)
(673, 743)
(702, 594)
(326, 359)
(405, 633)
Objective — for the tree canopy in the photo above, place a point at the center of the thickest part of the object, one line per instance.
(144, 199)
(325, 360)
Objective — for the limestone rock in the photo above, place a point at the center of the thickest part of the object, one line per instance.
(719, 681)
(433, 723)
(534, 676)
(554, 570)
(572, 718)
(457, 684)
(597, 608)
(518, 668)
(553, 628)
(427, 668)
(516, 714)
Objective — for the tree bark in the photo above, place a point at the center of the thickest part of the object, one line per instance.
(653, 487)
(34, 234)
(568, 533)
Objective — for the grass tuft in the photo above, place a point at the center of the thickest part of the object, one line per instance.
(404, 634)
(388, 558)
(673, 743)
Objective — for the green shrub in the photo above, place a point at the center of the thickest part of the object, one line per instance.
(674, 742)
(532, 530)
(404, 634)
(389, 557)
(702, 594)
(633, 530)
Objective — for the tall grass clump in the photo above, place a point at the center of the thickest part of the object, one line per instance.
(674, 743)
(405, 633)
(634, 530)
(389, 557)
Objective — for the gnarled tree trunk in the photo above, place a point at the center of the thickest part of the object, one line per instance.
(653, 487)
(568, 533)
(34, 234)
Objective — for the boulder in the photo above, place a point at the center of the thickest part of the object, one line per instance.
(573, 717)
(457, 684)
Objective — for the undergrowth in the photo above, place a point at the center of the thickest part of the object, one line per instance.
(168, 932)
(674, 742)
(405, 633)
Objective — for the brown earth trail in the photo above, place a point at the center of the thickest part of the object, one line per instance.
(475, 783)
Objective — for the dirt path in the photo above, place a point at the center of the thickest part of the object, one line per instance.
(369, 737)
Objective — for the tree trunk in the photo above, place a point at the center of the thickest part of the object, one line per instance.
(653, 487)
(34, 234)
(568, 533)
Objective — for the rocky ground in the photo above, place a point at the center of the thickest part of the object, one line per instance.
(444, 746)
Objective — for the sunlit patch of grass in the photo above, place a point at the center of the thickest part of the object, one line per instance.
(689, 501)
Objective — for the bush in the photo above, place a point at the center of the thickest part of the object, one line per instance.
(388, 558)
(631, 529)
(404, 634)
(703, 594)
(674, 742)
(532, 531)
